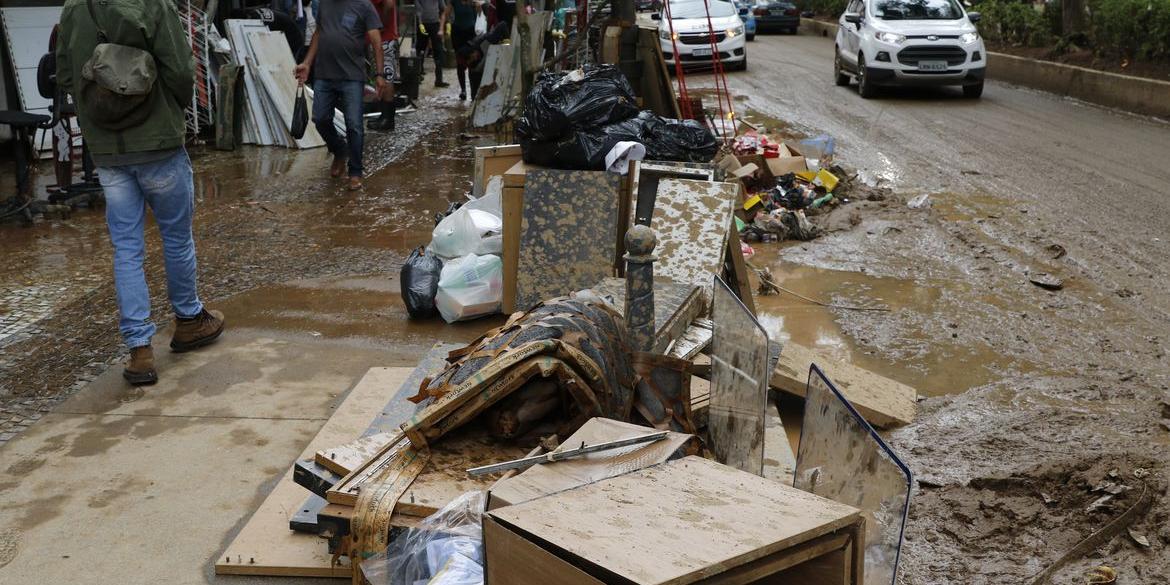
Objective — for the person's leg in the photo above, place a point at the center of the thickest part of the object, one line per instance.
(169, 189)
(126, 218)
(325, 100)
(436, 44)
(351, 107)
(390, 74)
(474, 76)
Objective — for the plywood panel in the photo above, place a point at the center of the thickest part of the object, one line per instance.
(739, 383)
(679, 521)
(265, 545)
(882, 401)
(691, 219)
(567, 233)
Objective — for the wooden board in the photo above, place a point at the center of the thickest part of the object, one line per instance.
(491, 161)
(542, 480)
(567, 233)
(644, 179)
(677, 522)
(675, 306)
(265, 545)
(882, 401)
(779, 457)
(343, 459)
(738, 277)
(691, 219)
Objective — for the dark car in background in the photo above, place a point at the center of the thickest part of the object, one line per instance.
(776, 15)
(647, 5)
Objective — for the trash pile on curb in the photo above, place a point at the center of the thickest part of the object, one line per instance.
(630, 386)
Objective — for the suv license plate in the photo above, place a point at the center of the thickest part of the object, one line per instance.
(705, 52)
(932, 65)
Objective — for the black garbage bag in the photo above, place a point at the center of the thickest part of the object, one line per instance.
(586, 149)
(680, 141)
(561, 103)
(420, 282)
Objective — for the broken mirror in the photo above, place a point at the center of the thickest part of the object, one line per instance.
(739, 382)
(842, 458)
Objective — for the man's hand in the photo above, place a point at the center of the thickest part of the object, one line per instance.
(302, 72)
(381, 83)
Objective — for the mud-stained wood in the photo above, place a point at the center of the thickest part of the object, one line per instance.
(779, 457)
(491, 161)
(882, 401)
(567, 234)
(445, 477)
(343, 459)
(690, 219)
(675, 306)
(679, 522)
(265, 545)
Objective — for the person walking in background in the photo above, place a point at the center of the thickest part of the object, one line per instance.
(472, 53)
(338, 54)
(433, 15)
(141, 161)
(388, 11)
(463, 16)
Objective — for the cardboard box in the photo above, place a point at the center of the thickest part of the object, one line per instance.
(690, 520)
(789, 161)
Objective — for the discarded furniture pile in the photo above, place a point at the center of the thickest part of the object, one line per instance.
(620, 426)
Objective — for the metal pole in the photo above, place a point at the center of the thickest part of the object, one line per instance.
(559, 455)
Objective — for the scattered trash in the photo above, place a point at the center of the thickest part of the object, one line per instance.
(1057, 251)
(470, 286)
(1047, 281)
(1139, 538)
(1100, 503)
(1101, 575)
(920, 202)
(476, 227)
(445, 549)
(419, 281)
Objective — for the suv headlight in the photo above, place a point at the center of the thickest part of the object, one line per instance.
(735, 31)
(664, 34)
(889, 37)
(968, 38)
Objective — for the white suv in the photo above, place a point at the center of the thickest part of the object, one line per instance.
(909, 42)
(692, 24)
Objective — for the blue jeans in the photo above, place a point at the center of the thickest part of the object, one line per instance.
(346, 95)
(167, 187)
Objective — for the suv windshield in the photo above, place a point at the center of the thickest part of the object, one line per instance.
(694, 9)
(917, 9)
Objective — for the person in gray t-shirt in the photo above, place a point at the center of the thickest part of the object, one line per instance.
(434, 14)
(337, 55)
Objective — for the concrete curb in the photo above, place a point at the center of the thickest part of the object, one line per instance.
(1125, 92)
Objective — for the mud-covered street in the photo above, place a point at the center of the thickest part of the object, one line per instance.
(1044, 413)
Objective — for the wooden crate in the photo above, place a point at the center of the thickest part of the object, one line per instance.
(685, 521)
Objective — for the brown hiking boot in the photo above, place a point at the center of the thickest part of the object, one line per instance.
(337, 167)
(140, 369)
(355, 183)
(197, 331)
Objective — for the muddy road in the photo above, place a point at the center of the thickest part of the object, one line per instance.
(1040, 401)
(1045, 413)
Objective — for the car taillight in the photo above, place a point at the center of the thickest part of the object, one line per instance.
(761, 12)
(791, 12)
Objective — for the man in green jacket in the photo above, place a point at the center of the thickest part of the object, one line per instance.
(142, 164)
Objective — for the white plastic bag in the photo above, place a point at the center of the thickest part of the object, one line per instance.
(469, 287)
(480, 25)
(445, 549)
(468, 231)
(493, 198)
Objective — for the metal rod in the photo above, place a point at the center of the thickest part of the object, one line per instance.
(559, 455)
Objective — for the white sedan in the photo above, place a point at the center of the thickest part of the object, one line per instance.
(688, 33)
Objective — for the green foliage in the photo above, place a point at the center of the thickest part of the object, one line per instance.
(1015, 23)
(1136, 29)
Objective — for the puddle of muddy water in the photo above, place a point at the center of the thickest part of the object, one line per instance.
(931, 366)
(364, 308)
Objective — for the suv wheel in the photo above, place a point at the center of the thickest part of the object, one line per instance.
(864, 88)
(973, 91)
(842, 78)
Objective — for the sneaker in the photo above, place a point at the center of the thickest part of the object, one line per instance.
(442, 84)
(462, 96)
(355, 183)
(337, 167)
(197, 331)
(140, 369)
